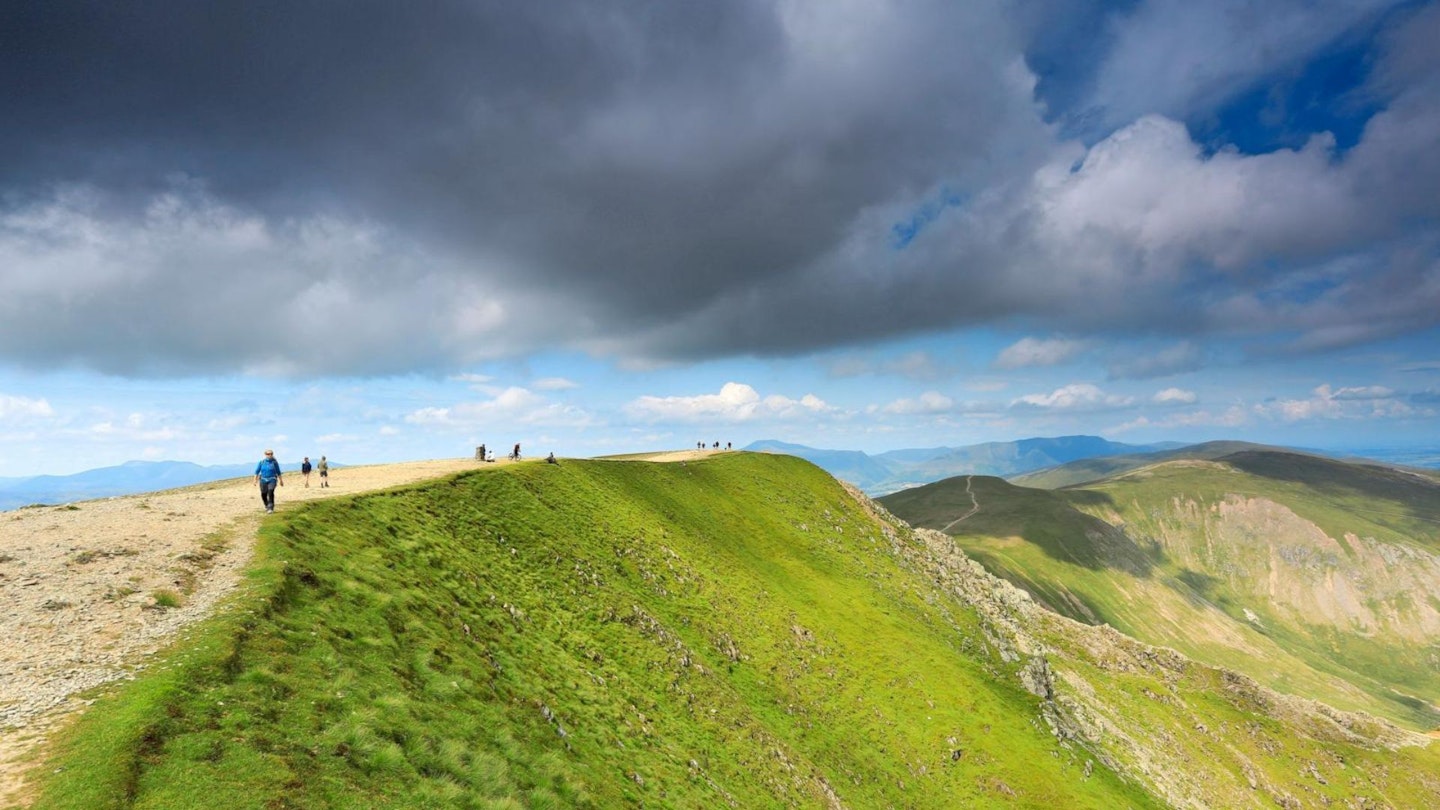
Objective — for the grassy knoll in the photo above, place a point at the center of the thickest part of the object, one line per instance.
(728, 632)
(1305, 573)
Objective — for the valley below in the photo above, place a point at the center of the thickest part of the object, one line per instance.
(1314, 576)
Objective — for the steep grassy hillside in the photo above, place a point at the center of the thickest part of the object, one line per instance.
(738, 632)
(1315, 577)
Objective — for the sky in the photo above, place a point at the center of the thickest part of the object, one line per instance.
(382, 231)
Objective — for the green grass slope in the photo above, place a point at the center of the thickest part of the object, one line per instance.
(1316, 577)
(732, 632)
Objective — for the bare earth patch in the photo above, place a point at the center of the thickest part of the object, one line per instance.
(85, 588)
(673, 455)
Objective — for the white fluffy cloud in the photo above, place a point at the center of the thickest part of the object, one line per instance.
(14, 409)
(1232, 417)
(736, 402)
(1073, 397)
(929, 402)
(1174, 396)
(183, 285)
(511, 406)
(1032, 352)
(1370, 392)
(1360, 402)
(1150, 196)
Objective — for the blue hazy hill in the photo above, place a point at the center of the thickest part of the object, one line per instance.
(897, 469)
(124, 479)
(847, 465)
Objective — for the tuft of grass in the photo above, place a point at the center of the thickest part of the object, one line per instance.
(91, 555)
(165, 599)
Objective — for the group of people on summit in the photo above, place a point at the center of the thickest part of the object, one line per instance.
(481, 454)
(268, 476)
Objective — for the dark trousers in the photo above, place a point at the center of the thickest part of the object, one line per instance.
(267, 493)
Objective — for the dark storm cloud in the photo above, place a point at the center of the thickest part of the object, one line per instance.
(420, 186)
(623, 162)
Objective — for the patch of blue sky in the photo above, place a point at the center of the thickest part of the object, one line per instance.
(1067, 45)
(1326, 94)
(903, 233)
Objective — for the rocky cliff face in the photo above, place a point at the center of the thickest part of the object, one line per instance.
(1288, 565)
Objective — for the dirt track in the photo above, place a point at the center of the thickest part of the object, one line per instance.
(78, 586)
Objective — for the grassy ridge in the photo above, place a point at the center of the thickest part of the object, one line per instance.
(728, 632)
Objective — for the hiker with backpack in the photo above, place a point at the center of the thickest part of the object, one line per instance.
(267, 477)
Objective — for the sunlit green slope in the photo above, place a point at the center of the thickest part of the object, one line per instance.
(1314, 576)
(731, 632)
(737, 632)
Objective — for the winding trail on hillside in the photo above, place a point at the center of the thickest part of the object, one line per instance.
(974, 506)
(78, 585)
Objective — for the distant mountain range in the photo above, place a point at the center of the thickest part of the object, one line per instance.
(899, 469)
(124, 479)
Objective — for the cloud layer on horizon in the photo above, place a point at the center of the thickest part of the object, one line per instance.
(445, 187)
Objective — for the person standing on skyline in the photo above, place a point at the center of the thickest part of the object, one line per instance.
(267, 476)
(324, 472)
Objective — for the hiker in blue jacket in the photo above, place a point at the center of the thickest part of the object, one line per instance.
(267, 475)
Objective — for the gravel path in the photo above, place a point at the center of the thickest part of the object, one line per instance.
(78, 586)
